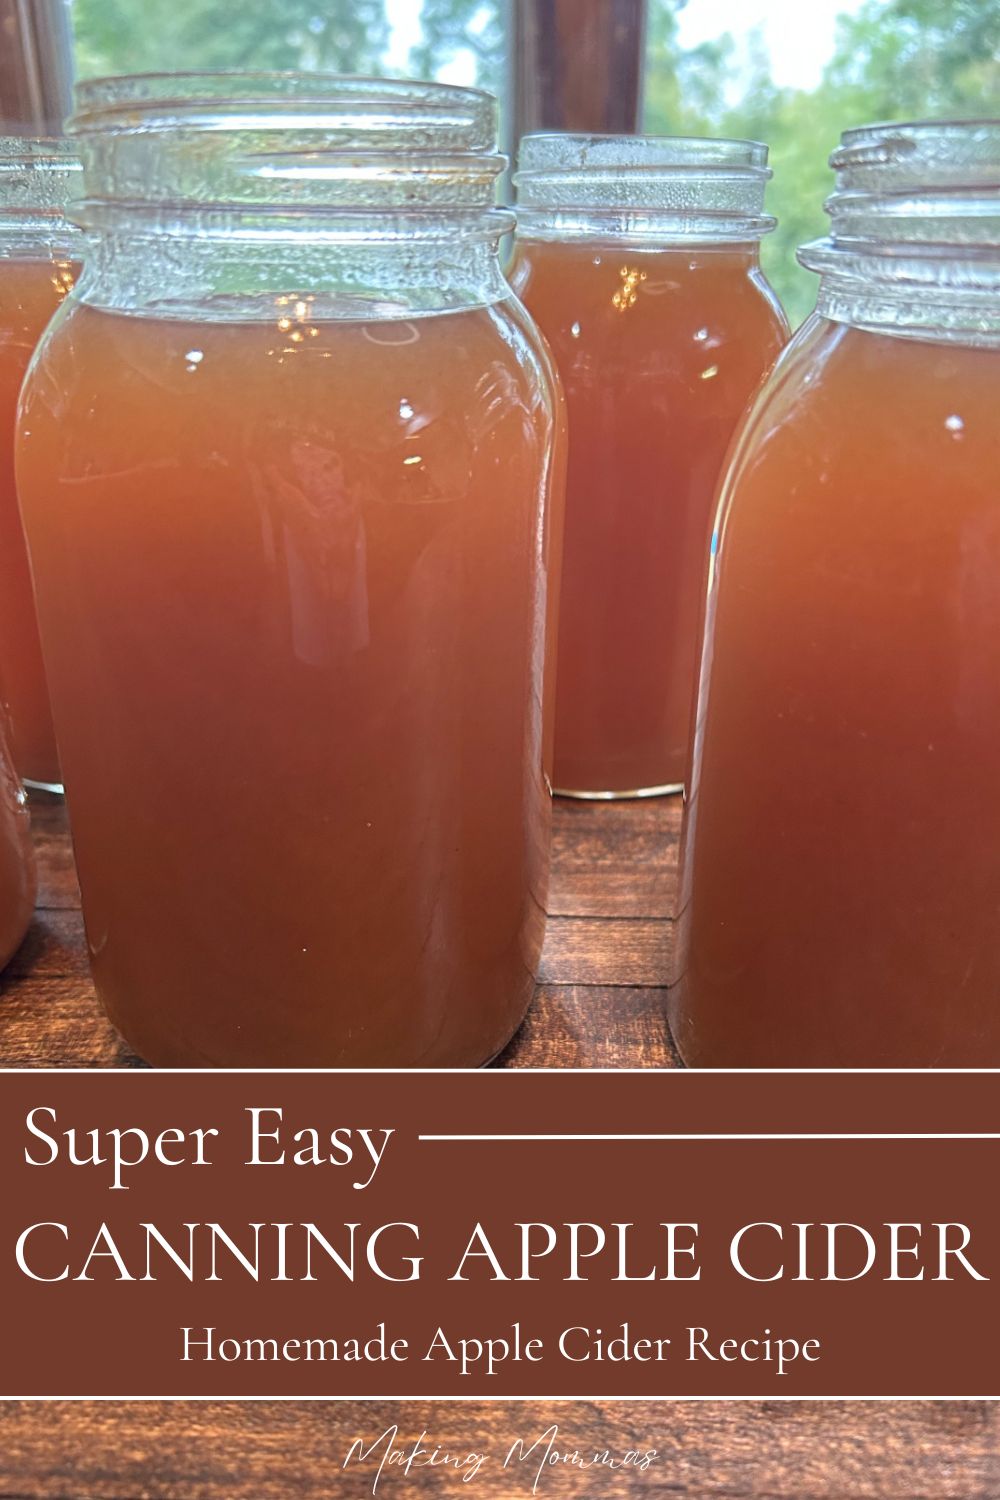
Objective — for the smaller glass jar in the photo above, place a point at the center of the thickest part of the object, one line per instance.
(638, 259)
(39, 259)
(17, 865)
(841, 861)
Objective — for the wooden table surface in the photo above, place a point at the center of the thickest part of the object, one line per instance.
(600, 1003)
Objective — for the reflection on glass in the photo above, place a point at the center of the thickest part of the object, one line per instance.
(31, 290)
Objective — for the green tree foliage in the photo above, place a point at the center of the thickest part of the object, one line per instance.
(918, 57)
(133, 36)
(453, 26)
(894, 60)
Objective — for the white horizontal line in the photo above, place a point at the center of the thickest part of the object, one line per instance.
(741, 1136)
(658, 1398)
(489, 1072)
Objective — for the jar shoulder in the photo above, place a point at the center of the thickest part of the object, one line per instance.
(657, 290)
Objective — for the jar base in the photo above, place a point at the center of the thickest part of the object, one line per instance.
(139, 1057)
(670, 789)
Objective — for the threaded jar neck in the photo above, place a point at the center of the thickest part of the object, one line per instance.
(662, 189)
(39, 178)
(284, 141)
(914, 241)
(381, 189)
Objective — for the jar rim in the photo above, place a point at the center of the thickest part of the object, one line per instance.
(903, 139)
(125, 101)
(555, 151)
(139, 84)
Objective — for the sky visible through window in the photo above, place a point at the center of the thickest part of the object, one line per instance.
(799, 34)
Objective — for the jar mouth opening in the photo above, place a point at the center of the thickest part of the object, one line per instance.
(337, 104)
(256, 83)
(550, 152)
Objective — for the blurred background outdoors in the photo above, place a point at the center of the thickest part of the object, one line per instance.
(793, 73)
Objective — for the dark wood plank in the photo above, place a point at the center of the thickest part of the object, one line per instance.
(57, 1023)
(57, 884)
(615, 859)
(580, 1026)
(55, 947)
(726, 1451)
(606, 950)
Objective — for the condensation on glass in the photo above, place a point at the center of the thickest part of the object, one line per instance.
(287, 467)
(638, 258)
(841, 869)
(39, 253)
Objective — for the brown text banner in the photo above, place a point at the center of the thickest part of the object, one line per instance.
(500, 1234)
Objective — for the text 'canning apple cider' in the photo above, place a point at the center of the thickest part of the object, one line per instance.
(638, 259)
(292, 541)
(841, 869)
(38, 254)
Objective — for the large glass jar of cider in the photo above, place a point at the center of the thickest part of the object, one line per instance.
(638, 258)
(841, 872)
(39, 250)
(285, 464)
(17, 865)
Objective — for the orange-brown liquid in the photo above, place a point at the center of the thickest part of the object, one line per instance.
(659, 353)
(841, 872)
(17, 866)
(292, 589)
(30, 292)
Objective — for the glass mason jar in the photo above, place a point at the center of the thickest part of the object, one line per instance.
(285, 462)
(841, 869)
(17, 863)
(638, 259)
(39, 255)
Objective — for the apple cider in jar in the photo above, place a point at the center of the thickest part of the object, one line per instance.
(291, 516)
(638, 258)
(841, 866)
(38, 261)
